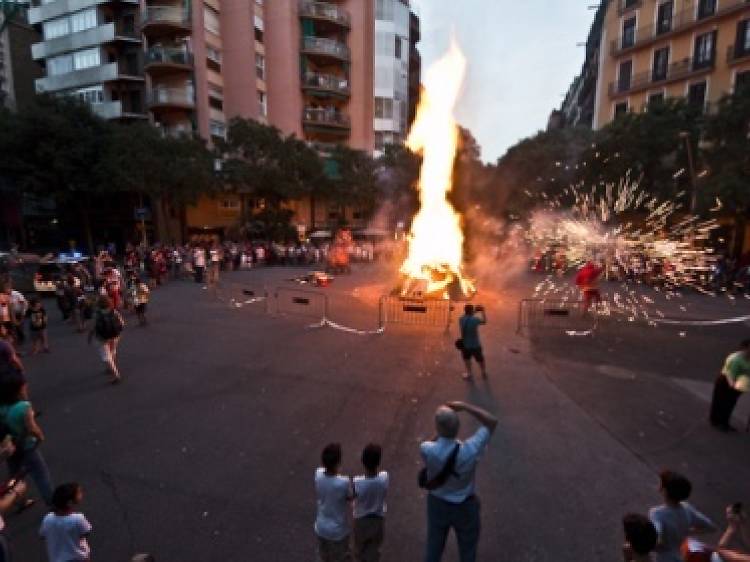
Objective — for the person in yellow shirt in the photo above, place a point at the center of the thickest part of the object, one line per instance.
(733, 381)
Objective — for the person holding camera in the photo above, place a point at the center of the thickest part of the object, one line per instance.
(448, 475)
(469, 344)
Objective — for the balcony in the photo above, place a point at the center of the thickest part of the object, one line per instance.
(325, 119)
(737, 54)
(325, 48)
(166, 20)
(161, 61)
(101, 35)
(325, 12)
(325, 85)
(681, 21)
(43, 12)
(114, 110)
(110, 72)
(677, 71)
(170, 99)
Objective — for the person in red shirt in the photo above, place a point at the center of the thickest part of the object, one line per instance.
(587, 281)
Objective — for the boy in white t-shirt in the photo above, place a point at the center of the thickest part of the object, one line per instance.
(334, 492)
(65, 531)
(369, 506)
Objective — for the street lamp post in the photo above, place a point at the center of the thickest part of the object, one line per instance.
(691, 169)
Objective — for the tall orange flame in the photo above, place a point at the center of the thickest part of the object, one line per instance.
(436, 240)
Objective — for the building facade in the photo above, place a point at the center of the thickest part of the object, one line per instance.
(578, 106)
(391, 81)
(92, 49)
(658, 49)
(18, 71)
(318, 70)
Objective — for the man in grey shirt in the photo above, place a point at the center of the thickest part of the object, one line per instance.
(454, 504)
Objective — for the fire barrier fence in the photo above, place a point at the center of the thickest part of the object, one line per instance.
(315, 305)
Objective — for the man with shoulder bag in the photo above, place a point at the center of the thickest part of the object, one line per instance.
(448, 475)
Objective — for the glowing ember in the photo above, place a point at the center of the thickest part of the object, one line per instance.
(435, 256)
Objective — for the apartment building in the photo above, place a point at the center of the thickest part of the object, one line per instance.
(17, 69)
(92, 49)
(657, 49)
(391, 80)
(577, 108)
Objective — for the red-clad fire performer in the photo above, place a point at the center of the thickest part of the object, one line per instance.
(587, 281)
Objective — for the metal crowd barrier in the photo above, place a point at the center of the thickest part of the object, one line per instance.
(551, 313)
(417, 312)
(301, 302)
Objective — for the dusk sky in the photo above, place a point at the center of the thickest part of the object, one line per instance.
(522, 56)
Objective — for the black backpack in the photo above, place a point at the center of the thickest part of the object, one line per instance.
(108, 325)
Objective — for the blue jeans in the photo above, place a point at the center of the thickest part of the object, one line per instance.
(462, 517)
(33, 463)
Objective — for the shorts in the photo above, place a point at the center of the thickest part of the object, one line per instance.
(105, 350)
(141, 308)
(476, 353)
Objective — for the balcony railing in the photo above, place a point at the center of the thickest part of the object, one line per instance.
(737, 53)
(676, 71)
(182, 97)
(328, 116)
(324, 10)
(166, 15)
(168, 55)
(330, 47)
(327, 82)
(680, 21)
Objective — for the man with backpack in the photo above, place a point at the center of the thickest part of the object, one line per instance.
(108, 325)
(448, 475)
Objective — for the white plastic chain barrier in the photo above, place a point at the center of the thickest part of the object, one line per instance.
(326, 322)
(718, 322)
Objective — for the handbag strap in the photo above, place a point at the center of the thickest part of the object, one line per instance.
(448, 470)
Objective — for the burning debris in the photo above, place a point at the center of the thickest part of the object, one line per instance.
(434, 264)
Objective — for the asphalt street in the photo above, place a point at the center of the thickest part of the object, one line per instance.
(206, 452)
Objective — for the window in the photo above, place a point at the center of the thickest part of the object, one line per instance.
(384, 10)
(628, 33)
(383, 108)
(742, 47)
(219, 129)
(706, 8)
(262, 104)
(228, 204)
(213, 56)
(704, 50)
(621, 109)
(59, 65)
(625, 75)
(259, 35)
(655, 99)
(86, 58)
(742, 82)
(259, 23)
(664, 17)
(661, 64)
(260, 66)
(83, 20)
(630, 3)
(697, 95)
(94, 94)
(397, 46)
(211, 20)
(56, 28)
(216, 103)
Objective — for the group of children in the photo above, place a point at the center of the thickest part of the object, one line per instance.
(341, 498)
